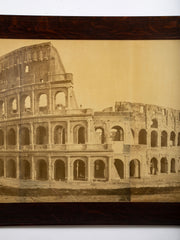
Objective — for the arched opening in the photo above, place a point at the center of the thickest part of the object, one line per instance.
(11, 138)
(119, 165)
(13, 103)
(25, 172)
(1, 168)
(60, 100)
(100, 135)
(143, 137)
(59, 135)
(43, 102)
(79, 134)
(2, 109)
(27, 104)
(154, 139)
(135, 168)
(41, 135)
(154, 166)
(164, 165)
(1, 138)
(172, 138)
(79, 170)
(173, 165)
(178, 139)
(163, 139)
(59, 170)
(11, 169)
(117, 134)
(24, 136)
(154, 123)
(99, 168)
(42, 170)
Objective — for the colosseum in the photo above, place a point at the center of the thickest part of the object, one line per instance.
(46, 139)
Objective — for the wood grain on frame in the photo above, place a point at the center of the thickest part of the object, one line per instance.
(28, 27)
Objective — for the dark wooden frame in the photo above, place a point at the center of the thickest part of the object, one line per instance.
(44, 27)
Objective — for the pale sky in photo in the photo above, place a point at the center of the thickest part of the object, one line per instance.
(104, 71)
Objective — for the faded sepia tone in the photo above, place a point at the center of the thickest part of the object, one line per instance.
(89, 121)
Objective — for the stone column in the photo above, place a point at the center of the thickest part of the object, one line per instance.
(33, 168)
(33, 103)
(50, 135)
(49, 168)
(89, 169)
(126, 168)
(17, 137)
(68, 134)
(68, 172)
(68, 98)
(159, 139)
(50, 102)
(32, 135)
(17, 167)
(109, 168)
(5, 167)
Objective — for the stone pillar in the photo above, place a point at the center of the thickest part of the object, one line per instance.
(18, 104)
(68, 134)
(33, 168)
(33, 103)
(89, 169)
(50, 102)
(136, 135)
(32, 135)
(149, 138)
(159, 139)
(68, 172)
(68, 103)
(109, 168)
(50, 135)
(126, 167)
(49, 168)
(17, 137)
(5, 167)
(17, 167)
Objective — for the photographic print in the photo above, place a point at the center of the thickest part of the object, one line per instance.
(89, 121)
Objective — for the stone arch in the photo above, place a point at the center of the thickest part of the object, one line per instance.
(26, 103)
(60, 100)
(41, 135)
(154, 166)
(79, 134)
(1, 168)
(119, 165)
(100, 135)
(79, 168)
(99, 169)
(42, 170)
(154, 123)
(142, 137)
(134, 168)
(172, 138)
(164, 165)
(13, 105)
(59, 170)
(164, 139)
(1, 137)
(11, 168)
(25, 172)
(11, 137)
(59, 135)
(43, 102)
(24, 136)
(154, 139)
(117, 133)
(173, 165)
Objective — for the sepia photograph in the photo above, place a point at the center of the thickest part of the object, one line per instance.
(89, 121)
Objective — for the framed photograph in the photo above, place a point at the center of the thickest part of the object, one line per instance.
(89, 120)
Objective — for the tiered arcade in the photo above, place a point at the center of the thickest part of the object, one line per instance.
(46, 137)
